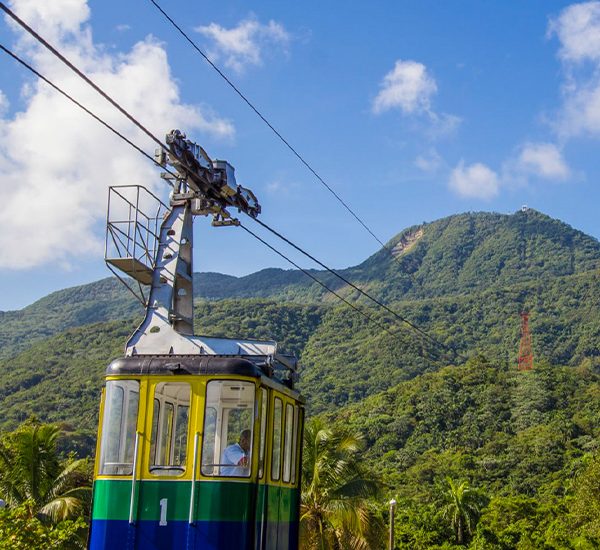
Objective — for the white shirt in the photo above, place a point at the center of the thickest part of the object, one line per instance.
(233, 454)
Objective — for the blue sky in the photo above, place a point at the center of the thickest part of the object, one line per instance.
(411, 111)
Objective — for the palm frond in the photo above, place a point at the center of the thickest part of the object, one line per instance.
(73, 475)
(62, 508)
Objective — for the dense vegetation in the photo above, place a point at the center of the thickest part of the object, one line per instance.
(47, 495)
(475, 452)
(97, 302)
(348, 358)
(457, 255)
(345, 358)
(338, 492)
(60, 378)
(528, 443)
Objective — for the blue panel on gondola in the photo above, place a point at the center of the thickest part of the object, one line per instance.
(148, 535)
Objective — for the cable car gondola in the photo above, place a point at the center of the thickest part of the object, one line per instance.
(199, 440)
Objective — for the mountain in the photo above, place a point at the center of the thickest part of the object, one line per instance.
(100, 301)
(434, 418)
(345, 358)
(266, 283)
(452, 256)
(463, 279)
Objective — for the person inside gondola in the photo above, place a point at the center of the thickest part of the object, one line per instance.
(237, 455)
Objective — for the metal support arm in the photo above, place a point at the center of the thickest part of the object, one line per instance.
(170, 304)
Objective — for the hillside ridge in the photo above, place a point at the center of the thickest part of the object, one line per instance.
(536, 240)
(456, 255)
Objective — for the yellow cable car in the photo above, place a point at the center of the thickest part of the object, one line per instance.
(164, 477)
(200, 438)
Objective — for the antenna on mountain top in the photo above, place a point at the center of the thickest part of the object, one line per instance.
(525, 361)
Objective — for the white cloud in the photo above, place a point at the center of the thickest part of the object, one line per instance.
(580, 113)
(544, 160)
(243, 45)
(56, 162)
(578, 29)
(429, 161)
(474, 181)
(4, 103)
(54, 20)
(408, 87)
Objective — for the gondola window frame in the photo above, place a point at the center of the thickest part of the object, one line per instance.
(125, 418)
(264, 416)
(222, 428)
(276, 439)
(163, 461)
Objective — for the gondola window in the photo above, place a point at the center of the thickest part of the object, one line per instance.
(276, 456)
(297, 428)
(263, 433)
(170, 428)
(229, 412)
(289, 430)
(155, 419)
(120, 420)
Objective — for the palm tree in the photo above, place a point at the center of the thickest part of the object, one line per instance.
(335, 511)
(31, 472)
(462, 507)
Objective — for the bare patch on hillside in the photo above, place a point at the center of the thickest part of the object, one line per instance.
(407, 242)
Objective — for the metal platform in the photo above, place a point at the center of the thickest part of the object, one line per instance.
(133, 223)
(132, 267)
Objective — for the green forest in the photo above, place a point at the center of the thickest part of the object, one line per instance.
(476, 453)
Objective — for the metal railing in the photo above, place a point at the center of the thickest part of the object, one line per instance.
(133, 220)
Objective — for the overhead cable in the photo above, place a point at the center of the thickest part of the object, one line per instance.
(141, 151)
(154, 138)
(83, 107)
(355, 287)
(80, 73)
(266, 121)
(336, 294)
(318, 281)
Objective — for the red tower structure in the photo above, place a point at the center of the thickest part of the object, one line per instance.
(525, 349)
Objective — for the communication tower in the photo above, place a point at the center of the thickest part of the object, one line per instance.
(525, 348)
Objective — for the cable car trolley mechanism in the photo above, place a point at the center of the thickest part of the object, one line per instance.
(199, 439)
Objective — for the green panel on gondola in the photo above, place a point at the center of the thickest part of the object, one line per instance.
(111, 499)
(215, 501)
(285, 503)
(273, 503)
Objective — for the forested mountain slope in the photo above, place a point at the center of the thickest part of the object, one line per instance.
(494, 413)
(455, 255)
(96, 302)
(349, 358)
(444, 280)
(475, 251)
(345, 359)
(524, 441)
(59, 379)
